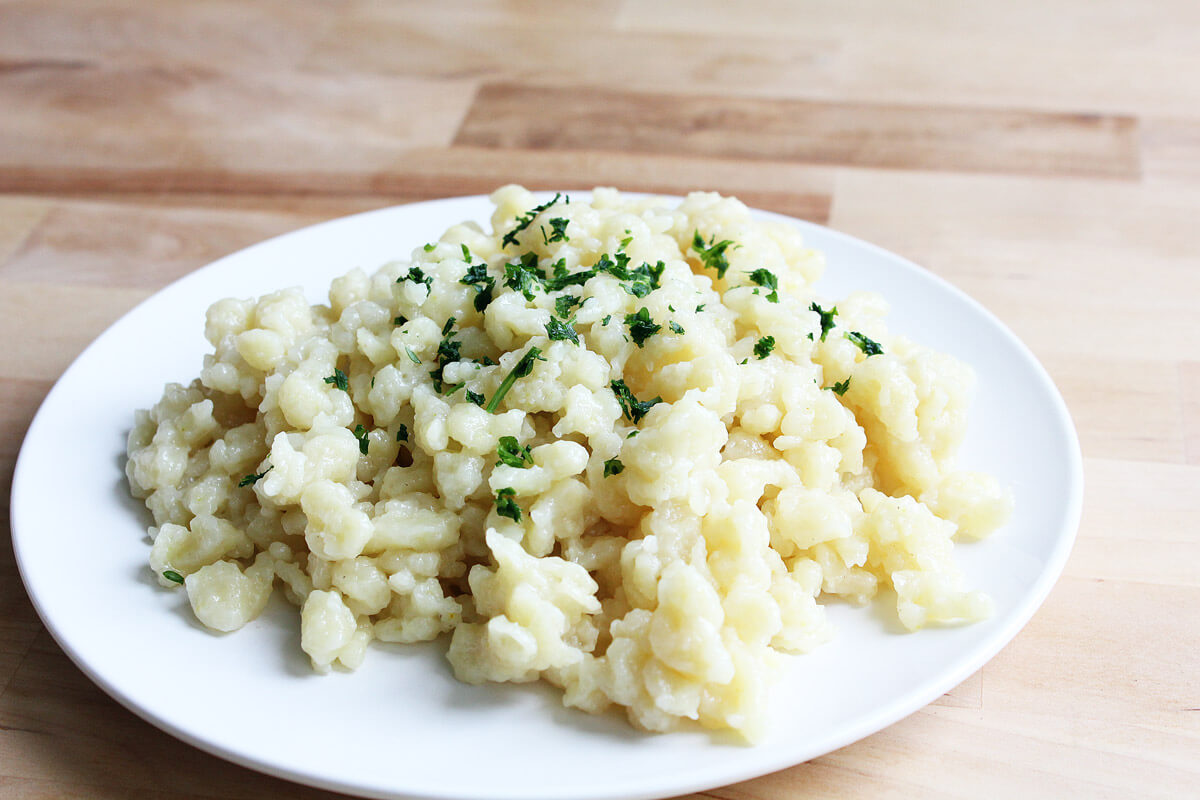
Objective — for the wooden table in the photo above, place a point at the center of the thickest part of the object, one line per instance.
(1045, 157)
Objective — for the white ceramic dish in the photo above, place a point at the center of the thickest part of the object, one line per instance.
(401, 726)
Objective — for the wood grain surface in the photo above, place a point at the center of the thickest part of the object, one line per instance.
(1043, 156)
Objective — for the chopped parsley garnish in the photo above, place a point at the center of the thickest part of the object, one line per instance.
(632, 434)
(565, 303)
(417, 275)
(523, 275)
(522, 368)
(764, 277)
(634, 409)
(429, 248)
(641, 326)
(449, 350)
(613, 467)
(400, 320)
(606, 320)
(840, 387)
(625, 242)
(700, 307)
(506, 504)
(513, 454)
(764, 346)
(172, 576)
(558, 231)
(561, 331)
(869, 346)
(712, 255)
(827, 322)
(484, 284)
(743, 362)
(476, 398)
(640, 280)
(526, 219)
(413, 357)
(339, 380)
(402, 434)
(675, 327)
(487, 361)
(364, 442)
(253, 477)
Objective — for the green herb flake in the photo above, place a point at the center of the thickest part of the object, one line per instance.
(743, 362)
(840, 387)
(172, 576)
(506, 504)
(564, 304)
(632, 434)
(522, 368)
(700, 307)
(641, 326)
(484, 285)
(400, 320)
(475, 397)
(449, 326)
(560, 331)
(767, 279)
(513, 454)
(413, 357)
(417, 275)
(634, 409)
(402, 434)
(253, 478)
(466, 251)
(524, 275)
(526, 219)
(429, 247)
(613, 467)
(364, 442)
(827, 322)
(558, 231)
(675, 327)
(606, 320)
(338, 379)
(869, 346)
(712, 255)
(764, 346)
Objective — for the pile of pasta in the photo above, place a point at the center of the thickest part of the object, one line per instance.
(617, 444)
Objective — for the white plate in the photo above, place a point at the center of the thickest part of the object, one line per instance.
(401, 726)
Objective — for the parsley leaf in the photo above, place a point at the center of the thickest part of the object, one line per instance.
(764, 277)
(675, 327)
(253, 478)
(868, 346)
(764, 346)
(840, 387)
(634, 409)
(413, 357)
(712, 255)
(483, 284)
(513, 454)
(522, 368)
(506, 504)
(613, 467)
(561, 331)
(565, 303)
(172, 576)
(417, 275)
(641, 326)
(606, 320)
(402, 434)
(429, 248)
(525, 220)
(475, 397)
(360, 433)
(523, 275)
(827, 322)
(339, 380)
(558, 226)
(449, 350)
(700, 307)
(400, 320)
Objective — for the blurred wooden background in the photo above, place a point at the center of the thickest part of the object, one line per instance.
(1043, 156)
